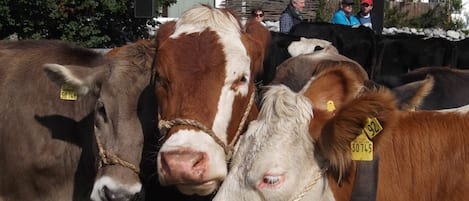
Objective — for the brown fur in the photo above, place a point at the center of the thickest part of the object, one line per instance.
(113, 52)
(296, 71)
(407, 145)
(48, 148)
(191, 65)
(204, 66)
(416, 149)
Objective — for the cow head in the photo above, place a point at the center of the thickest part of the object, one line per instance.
(275, 159)
(115, 88)
(206, 65)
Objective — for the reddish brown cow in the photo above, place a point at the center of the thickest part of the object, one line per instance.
(299, 150)
(206, 63)
(72, 132)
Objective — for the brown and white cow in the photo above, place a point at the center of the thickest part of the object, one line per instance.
(70, 126)
(297, 151)
(206, 62)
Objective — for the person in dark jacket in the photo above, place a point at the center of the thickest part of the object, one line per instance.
(291, 15)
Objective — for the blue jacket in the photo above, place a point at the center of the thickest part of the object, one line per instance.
(340, 18)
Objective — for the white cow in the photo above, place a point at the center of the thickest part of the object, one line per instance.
(260, 170)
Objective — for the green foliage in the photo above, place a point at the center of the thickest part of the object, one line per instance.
(438, 17)
(90, 23)
(323, 12)
(393, 17)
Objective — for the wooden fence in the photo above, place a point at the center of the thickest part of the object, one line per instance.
(273, 8)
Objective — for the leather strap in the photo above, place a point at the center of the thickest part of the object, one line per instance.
(366, 180)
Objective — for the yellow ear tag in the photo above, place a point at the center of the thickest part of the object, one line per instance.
(372, 127)
(362, 148)
(68, 92)
(330, 106)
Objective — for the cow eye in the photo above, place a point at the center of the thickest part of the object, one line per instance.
(100, 107)
(271, 180)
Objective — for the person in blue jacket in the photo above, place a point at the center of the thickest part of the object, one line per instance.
(344, 15)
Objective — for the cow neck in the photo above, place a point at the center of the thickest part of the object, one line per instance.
(108, 158)
(228, 148)
(366, 180)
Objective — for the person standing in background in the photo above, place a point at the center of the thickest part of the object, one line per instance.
(258, 15)
(364, 16)
(291, 15)
(344, 15)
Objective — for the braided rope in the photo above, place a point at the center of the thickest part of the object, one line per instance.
(189, 122)
(309, 186)
(108, 158)
(240, 127)
(194, 123)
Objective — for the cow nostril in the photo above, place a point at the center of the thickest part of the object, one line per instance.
(119, 195)
(183, 165)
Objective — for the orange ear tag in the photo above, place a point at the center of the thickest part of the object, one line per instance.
(68, 92)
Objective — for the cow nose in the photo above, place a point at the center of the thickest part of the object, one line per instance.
(119, 195)
(184, 166)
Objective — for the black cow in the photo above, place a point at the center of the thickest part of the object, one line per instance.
(461, 57)
(275, 55)
(449, 89)
(397, 56)
(356, 43)
(283, 46)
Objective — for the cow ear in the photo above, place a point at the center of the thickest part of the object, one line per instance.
(332, 87)
(165, 30)
(334, 143)
(256, 40)
(412, 94)
(84, 80)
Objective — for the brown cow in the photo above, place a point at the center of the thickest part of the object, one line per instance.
(295, 72)
(77, 137)
(297, 151)
(206, 63)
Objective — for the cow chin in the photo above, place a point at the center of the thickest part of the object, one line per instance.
(199, 189)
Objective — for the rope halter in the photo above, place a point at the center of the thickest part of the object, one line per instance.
(108, 158)
(189, 122)
(309, 186)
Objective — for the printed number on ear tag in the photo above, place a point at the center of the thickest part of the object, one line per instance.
(68, 92)
(362, 148)
(372, 127)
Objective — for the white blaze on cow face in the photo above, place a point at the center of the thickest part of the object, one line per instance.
(275, 158)
(205, 166)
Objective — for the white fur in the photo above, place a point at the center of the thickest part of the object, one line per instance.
(277, 143)
(306, 46)
(461, 110)
(237, 66)
(97, 194)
